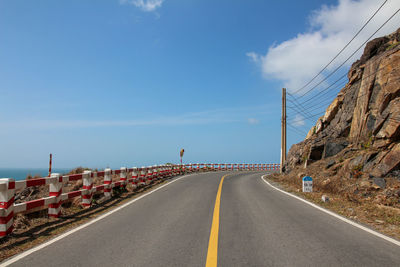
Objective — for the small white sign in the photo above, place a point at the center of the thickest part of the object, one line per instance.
(307, 184)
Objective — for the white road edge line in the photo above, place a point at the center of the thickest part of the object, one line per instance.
(391, 240)
(32, 250)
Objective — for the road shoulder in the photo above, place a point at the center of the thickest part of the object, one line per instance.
(334, 207)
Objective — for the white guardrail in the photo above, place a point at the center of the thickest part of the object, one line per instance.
(138, 177)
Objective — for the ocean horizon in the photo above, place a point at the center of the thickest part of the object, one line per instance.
(21, 173)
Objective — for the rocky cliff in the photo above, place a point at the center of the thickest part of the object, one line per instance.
(359, 135)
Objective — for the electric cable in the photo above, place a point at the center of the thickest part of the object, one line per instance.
(352, 39)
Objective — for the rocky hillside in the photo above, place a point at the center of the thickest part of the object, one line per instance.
(364, 119)
(353, 151)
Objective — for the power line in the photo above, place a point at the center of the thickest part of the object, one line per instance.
(352, 39)
(324, 90)
(363, 78)
(327, 95)
(320, 92)
(329, 75)
(297, 130)
(299, 108)
(310, 117)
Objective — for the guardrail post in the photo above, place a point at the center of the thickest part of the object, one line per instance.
(55, 190)
(107, 183)
(123, 177)
(87, 194)
(161, 171)
(149, 175)
(134, 177)
(7, 195)
(142, 175)
(155, 172)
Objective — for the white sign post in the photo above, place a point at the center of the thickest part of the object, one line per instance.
(307, 184)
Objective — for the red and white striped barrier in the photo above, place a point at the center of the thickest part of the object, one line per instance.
(7, 190)
(139, 177)
(143, 172)
(55, 190)
(107, 183)
(87, 194)
(135, 178)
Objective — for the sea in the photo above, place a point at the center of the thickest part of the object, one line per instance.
(22, 173)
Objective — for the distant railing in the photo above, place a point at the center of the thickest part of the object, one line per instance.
(138, 177)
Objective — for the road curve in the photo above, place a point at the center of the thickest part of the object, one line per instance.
(258, 226)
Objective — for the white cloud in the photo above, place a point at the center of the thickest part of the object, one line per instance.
(253, 121)
(254, 57)
(145, 5)
(297, 60)
(298, 121)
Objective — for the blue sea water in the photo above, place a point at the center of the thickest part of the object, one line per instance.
(22, 173)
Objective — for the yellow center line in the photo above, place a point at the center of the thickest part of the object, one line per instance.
(212, 254)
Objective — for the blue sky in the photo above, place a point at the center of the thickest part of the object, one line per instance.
(128, 83)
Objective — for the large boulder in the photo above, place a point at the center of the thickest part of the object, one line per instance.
(332, 110)
(333, 148)
(389, 163)
(391, 126)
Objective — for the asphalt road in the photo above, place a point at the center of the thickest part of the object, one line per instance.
(258, 226)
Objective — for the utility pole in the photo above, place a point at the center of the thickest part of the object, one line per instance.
(283, 133)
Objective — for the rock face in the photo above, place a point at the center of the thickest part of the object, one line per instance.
(364, 117)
